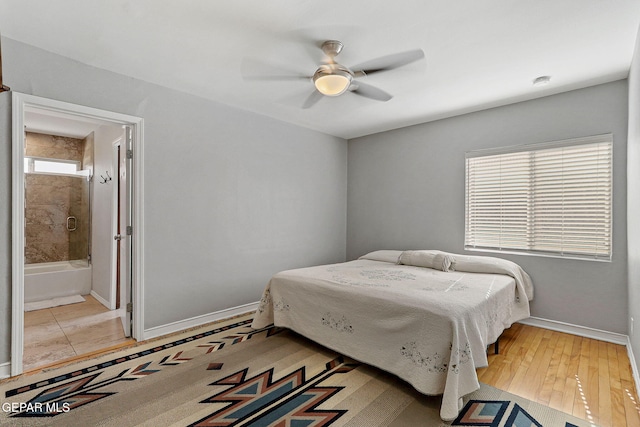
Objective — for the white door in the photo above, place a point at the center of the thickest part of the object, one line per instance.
(124, 235)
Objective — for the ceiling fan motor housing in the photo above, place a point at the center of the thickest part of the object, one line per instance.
(332, 48)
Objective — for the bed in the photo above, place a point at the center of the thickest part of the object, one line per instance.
(425, 316)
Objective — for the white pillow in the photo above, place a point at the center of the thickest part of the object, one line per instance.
(428, 259)
(384, 256)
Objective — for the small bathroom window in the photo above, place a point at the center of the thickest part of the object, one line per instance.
(64, 167)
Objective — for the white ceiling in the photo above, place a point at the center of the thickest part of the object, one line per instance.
(56, 123)
(478, 53)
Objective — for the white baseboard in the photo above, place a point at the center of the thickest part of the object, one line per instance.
(100, 299)
(581, 331)
(634, 366)
(180, 325)
(5, 370)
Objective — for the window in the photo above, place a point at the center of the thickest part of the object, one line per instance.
(548, 199)
(35, 165)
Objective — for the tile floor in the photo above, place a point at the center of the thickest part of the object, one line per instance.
(54, 334)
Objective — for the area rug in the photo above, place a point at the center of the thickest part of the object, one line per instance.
(232, 375)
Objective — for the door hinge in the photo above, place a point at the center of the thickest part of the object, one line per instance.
(129, 154)
(129, 230)
(129, 307)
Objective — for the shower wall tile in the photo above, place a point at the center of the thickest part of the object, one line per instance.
(54, 147)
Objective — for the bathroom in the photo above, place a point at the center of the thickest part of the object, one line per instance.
(71, 304)
(58, 171)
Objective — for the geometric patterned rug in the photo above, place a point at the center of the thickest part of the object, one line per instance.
(231, 375)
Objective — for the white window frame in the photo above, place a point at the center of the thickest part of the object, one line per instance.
(488, 230)
(31, 160)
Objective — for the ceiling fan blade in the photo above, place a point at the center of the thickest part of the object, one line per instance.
(371, 92)
(283, 78)
(388, 62)
(252, 69)
(312, 99)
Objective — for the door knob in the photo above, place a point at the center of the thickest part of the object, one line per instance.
(117, 237)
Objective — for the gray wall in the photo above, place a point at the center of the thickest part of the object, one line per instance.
(406, 191)
(101, 227)
(231, 197)
(633, 200)
(5, 225)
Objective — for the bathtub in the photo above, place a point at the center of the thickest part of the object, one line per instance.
(49, 280)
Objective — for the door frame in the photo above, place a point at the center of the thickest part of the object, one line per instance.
(120, 282)
(20, 104)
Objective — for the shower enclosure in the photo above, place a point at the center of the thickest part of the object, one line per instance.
(57, 216)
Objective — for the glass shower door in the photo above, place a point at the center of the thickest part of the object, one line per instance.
(78, 222)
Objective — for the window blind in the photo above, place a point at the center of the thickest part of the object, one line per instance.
(552, 198)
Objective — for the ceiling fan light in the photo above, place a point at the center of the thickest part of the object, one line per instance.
(332, 82)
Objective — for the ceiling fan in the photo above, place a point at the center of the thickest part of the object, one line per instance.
(334, 79)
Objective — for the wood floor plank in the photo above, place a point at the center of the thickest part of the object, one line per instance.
(631, 404)
(587, 378)
(615, 388)
(510, 349)
(569, 395)
(548, 375)
(541, 395)
(571, 381)
(506, 374)
(527, 350)
(605, 413)
(630, 394)
(564, 348)
(581, 402)
(592, 389)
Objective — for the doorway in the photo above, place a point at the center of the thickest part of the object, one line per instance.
(91, 235)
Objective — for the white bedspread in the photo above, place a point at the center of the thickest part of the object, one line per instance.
(428, 327)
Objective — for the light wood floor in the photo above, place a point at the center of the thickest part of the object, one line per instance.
(587, 378)
(55, 334)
